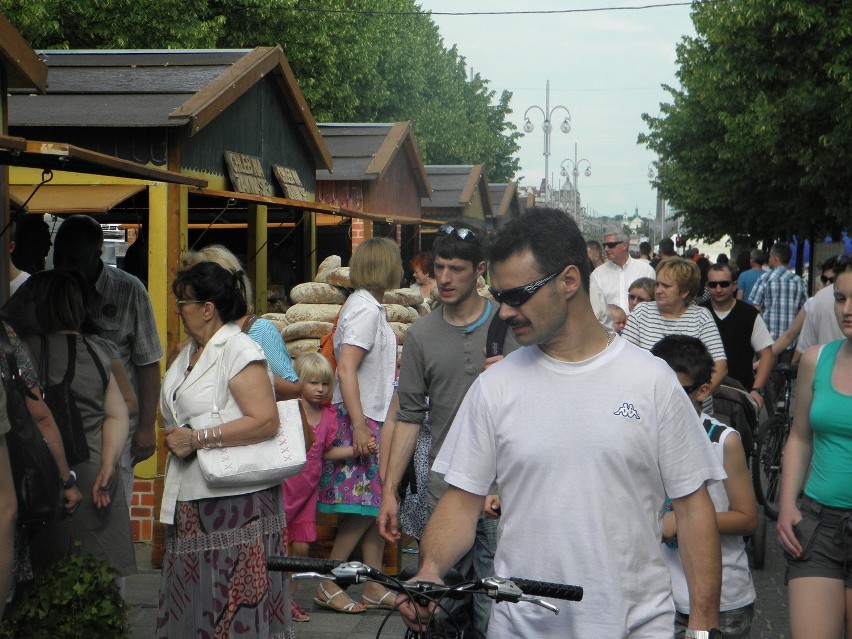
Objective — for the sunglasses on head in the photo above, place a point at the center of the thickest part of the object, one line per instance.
(520, 295)
(612, 245)
(462, 234)
(723, 284)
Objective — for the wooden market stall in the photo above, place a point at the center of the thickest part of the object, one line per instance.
(504, 203)
(233, 123)
(378, 169)
(458, 192)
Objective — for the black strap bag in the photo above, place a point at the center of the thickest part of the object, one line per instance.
(62, 400)
(38, 485)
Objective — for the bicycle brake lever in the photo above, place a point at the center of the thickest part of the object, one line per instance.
(540, 602)
(353, 572)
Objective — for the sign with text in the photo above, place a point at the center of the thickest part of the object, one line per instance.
(290, 182)
(246, 173)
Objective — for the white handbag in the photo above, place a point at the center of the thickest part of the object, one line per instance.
(268, 461)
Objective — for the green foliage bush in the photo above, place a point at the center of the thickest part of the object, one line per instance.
(77, 598)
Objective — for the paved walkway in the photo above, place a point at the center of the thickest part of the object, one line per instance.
(770, 618)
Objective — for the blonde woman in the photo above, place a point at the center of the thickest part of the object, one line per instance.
(365, 349)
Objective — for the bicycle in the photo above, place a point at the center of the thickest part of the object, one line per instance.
(348, 573)
(771, 438)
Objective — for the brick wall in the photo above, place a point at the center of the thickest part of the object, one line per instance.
(142, 510)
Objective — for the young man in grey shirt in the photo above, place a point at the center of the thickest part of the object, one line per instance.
(444, 353)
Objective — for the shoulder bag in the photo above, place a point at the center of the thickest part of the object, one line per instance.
(62, 400)
(268, 461)
(38, 486)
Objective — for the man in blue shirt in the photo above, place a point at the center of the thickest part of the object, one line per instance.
(780, 293)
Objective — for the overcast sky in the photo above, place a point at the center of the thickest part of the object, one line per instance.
(605, 67)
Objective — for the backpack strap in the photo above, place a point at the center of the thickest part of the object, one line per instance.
(496, 338)
(97, 360)
(248, 323)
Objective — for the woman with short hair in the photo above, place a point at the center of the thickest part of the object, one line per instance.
(678, 282)
(365, 349)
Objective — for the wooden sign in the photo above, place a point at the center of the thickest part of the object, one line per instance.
(247, 174)
(290, 182)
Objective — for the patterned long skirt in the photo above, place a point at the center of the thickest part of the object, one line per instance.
(214, 582)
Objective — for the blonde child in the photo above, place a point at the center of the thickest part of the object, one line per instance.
(736, 510)
(619, 317)
(301, 491)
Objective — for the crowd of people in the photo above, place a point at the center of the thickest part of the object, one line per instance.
(577, 395)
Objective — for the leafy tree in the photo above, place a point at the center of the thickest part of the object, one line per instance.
(756, 140)
(380, 61)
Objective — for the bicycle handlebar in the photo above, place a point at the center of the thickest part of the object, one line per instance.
(498, 588)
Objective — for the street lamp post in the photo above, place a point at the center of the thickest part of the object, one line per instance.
(547, 127)
(651, 175)
(575, 171)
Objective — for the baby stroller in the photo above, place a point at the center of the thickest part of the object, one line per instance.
(733, 406)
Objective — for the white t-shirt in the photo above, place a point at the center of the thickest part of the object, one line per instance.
(19, 279)
(583, 454)
(737, 585)
(614, 280)
(363, 323)
(820, 325)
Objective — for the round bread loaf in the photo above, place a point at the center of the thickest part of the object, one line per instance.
(279, 319)
(317, 293)
(339, 277)
(305, 330)
(328, 265)
(403, 297)
(399, 329)
(313, 312)
(397, 313)
(424, 309)
(302, 346)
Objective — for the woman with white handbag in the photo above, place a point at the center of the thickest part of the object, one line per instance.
(217, 396)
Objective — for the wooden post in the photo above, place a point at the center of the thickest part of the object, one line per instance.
(309, 239)
(257, 251)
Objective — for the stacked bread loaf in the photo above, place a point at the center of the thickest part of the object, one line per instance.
(316, 305)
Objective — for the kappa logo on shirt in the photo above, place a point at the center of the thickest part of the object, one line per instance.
(627, 410)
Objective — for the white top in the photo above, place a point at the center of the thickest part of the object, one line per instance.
(737, 585)
(760, 337)
(363, 323)
(584, 454)
(820, 325)
(15, 284)
(185, 399)
(645, 327)
(614, 280)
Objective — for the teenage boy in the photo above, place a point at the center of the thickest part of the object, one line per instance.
(736, 510)
(444, 353)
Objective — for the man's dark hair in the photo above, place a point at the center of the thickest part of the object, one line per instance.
(724, 266)
(828, 264)
(667, 246)
(78, 233)
(644, 248)
(759, 256)
(782, 251)
(687, 355)
(550, 235)
(32, 243)
(450, 246)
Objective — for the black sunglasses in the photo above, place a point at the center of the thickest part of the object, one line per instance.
(612, 245)
(827, 279)
(723, 284)
(462, 234)
(690, 389)
(520, 295)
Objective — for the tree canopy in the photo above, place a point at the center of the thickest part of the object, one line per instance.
(374, 61)
(756, 140)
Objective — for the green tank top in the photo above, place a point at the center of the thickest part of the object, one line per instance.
(830, 480)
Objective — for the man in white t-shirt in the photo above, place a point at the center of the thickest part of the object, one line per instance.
(620, 270)
(584, 452)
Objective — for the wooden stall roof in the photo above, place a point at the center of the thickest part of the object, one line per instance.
(453, 186)
(58, 156)
(23, 68)
(72, 198)
(153, 89)
(365, 151)
(504, 198)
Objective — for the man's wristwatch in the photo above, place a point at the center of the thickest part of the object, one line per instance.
(70, 482)
(759, 391)
(713, 633)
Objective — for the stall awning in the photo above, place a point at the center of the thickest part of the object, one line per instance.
(326, 210)
(58, 156)
(62, 198)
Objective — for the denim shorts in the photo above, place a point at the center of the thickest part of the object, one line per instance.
(826, 537)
